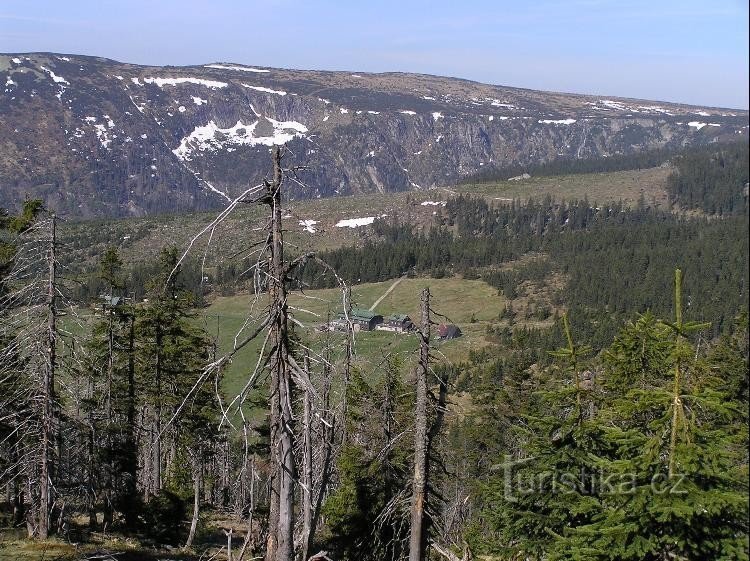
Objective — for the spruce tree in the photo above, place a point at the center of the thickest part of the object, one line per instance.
(678, 487)
(111, 402)
(171, 353)
(552, 485)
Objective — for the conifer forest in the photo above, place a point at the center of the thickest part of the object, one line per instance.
(607, 420)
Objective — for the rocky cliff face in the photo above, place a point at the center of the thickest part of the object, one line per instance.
(95, 137)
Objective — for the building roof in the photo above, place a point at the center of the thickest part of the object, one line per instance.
(361, 314)
(111, 300)
(448, 330)
(398, 318)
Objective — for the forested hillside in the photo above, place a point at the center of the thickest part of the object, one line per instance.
(616, 261)
(599, 413)
(712, 180)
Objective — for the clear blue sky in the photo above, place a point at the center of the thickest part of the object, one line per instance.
(689, 51)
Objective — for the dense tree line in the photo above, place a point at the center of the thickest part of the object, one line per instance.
(634, 452)
(714, 180)
(137, 279)
(602, 164)
(616, 260)
(569, 166)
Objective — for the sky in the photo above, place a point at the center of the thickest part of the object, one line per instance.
(685, 51)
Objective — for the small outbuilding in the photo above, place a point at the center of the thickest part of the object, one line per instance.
(108, 303)
(399, 323)
(448, 331)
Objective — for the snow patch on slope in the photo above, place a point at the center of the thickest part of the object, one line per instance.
(557, 121)
(651, 109)
(264, 90)
(101, 134)
(161, 82)
(357, 222)
(699, 125)
(240, 68)
(308, 225)
(498, 103)
(612, 104)
(55, 78)
(211, 137)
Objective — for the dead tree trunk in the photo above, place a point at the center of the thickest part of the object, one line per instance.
(327, 434)
(307, 467)
(90, 456)
(419, 483)
(156, 454)
(280, 546)
(15, 491)
(131, 466)
(197, 480)
(347, 361)
(249, 538)
(109, 468)
(48, 389)
(228, 534)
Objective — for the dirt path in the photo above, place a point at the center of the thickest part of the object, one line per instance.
(387, 292)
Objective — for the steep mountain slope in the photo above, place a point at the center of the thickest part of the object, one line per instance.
(95, 137)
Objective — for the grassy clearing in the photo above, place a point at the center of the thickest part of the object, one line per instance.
(470, 304)
(458, 299)
(625, 186)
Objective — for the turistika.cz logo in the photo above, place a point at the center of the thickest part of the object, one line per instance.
(522, 480)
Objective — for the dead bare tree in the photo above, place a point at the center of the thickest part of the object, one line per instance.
(307, 466)
(285, 376)
(419, 482)
(450, 556)
(347, 362)
(29, 337)
(271, 274)
(249, 538)
(327, 432)
(197, 482)
(280, 545)
(48, 386)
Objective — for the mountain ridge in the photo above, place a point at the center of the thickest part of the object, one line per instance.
(97, 137)
(383, 73)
